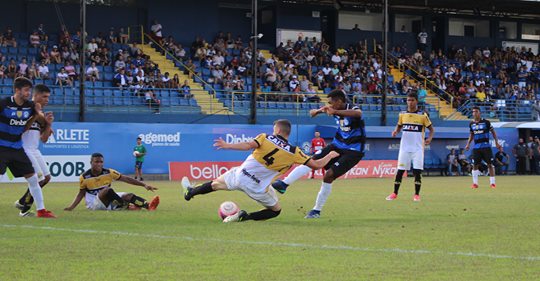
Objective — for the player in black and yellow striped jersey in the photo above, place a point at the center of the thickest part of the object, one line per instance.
(272, 156)
(95, 187)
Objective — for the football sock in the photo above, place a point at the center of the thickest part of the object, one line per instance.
(296, 174)
(138, 201)
(326, 188)
(111, 194)
(202, 189)
(475, 174)
(35, 190)
(491, 180)
(397, 181)
(417, 181)
(261, 215)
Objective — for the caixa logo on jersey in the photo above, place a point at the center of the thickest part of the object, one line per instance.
(69, 138)
(155, 139)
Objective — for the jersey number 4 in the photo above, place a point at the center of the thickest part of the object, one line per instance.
(268, 157)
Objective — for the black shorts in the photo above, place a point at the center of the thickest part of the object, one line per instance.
(16, 160)
(341, 164)
(480, 154)
(138, 164)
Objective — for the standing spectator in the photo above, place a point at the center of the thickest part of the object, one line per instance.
(139, 151)
(317, 144)
(156, 31)
(535, 155)
(521, 151)
(422, 40)
(501, 162)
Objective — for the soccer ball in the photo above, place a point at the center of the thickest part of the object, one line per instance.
(136, 153)
(227, 208)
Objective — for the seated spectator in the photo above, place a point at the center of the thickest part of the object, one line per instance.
(156, 32)
(92, 72)
(44, 54)
(112, 36)
(502, 160)
(166, 80)
(120, 79)
(452, 163)
(9, 38)
(185, 90)
(140, 77)
(22, 69)
(464, 162)
(55, 56)
(123, 36)
(311, 95)
(62, 78)
(70, 69)
(3, 69)
(12, 69)
(42, 34)
(152, 101)
(32, 71)
(35, 39)
(175, 81)
(43, 70)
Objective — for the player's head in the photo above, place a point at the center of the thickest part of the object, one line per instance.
(337, 99)
(22, 87)
(41, 94)
(139, 141)
(501, 149)
(96, 161)
(282, 127)
(412, 102)
(317, 134)
(476, 112)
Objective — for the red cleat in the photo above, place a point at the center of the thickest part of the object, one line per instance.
(492, 186)
(43, 213)
(153, 204)
(474, 186)
(391, 197)
(416, 198)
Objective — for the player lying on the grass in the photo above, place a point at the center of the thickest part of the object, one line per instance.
(479, 132)
(95, 187)
(272, 155)
(349, 142)
(35, 132)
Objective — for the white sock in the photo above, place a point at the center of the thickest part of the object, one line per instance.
(326, 188)
(296, 174)
(491, 180)
(475, 174)
(35, 190)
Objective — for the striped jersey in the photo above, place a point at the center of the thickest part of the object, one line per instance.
(480, 131)
(351, 132)
(13, 119)
(413, 127)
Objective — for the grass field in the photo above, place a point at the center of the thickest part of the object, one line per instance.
(455, 233)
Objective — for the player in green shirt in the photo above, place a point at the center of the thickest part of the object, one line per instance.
(139, 151)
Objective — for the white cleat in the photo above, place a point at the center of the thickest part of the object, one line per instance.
(18, 205)
(27, 214)
(236, 217)
(185, 182)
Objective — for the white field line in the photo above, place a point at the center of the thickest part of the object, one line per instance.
(279, 244)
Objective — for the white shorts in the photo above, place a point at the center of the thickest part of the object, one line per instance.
(40, 166)
(95, 203)
(236, 180)
(405, 159)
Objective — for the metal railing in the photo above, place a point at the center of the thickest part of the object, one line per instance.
(504, 110)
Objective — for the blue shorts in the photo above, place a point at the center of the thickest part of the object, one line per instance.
(138, 164)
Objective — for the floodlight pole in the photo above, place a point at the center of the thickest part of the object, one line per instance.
(385, 64)
(82, 60)
(254, 57)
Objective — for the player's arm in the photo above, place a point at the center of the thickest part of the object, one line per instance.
(77, 200)
(355, 113)
(315, 112)
(320, 163)
(471, 136)
(399, 125)
(221, 144)
(46, 132)
(431, 133)
(133, 181)
(495, 138)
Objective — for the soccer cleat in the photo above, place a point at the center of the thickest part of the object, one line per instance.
(416, 198)
(474, 186)
(154, 203)
(238, 217)
(19, 206)
(280, 186)
(45, 214)
(391, 197)
(186, 185)
(492, 186)
(27, 214)
(313, 214)
(141, 179)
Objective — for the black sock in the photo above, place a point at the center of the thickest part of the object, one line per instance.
(397, 181)
(261, 215)
(201, 189)
(417, 181)
(139, 201)
(114, 197)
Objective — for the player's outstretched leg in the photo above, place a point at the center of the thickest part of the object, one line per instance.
(264, 214)
(189, 191)
(417, 184)
(397, 184)
(139, 202)
(298, 172)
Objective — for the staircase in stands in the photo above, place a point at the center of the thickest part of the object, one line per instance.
(208, 103)
(445, 110)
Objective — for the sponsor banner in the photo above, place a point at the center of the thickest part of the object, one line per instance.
(63, 168)
(203, 171)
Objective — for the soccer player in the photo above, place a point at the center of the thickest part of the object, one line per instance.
(272, 155)
(349, 142)
(139, 159)
(480, 129)
(413, 123)
(317, 144)
(38, 131)
(15, 112)
(95, 187)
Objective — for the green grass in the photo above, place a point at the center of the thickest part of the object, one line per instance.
(359, 237)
